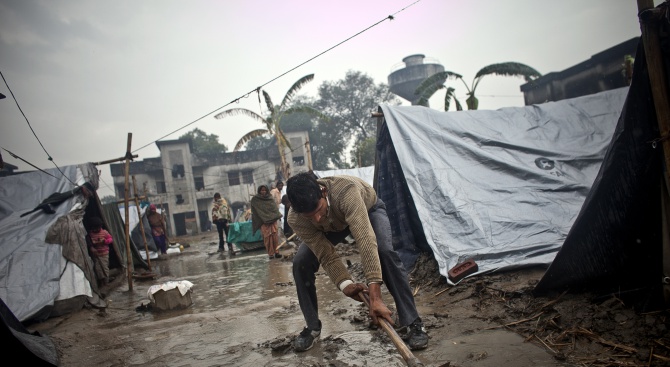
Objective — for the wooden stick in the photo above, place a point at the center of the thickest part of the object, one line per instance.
(649, 25)
(125, 200)
(139, 216)
(139, 197)
(115, 160)
(404, 351)
(286, 241)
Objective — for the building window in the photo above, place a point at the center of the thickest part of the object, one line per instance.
(248, 177)
(180, 199)
(199, 183)
(233, 178)
(298, 161)
(178, 171)
(160, 187)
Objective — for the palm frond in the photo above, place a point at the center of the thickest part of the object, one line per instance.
(294, 89)
(428, 91)
(248, 136)
(434, 83)
(509, 69)
(459, 106)
(268, 103)
(423, 101)
(240, 111)
(447, 98)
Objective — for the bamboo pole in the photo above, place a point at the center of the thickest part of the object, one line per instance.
(127, 213)
(139, 216)
(115, 160)
(308, 153)
(286, 240)
(404, 351)
(649, 18)
(139, 197)
(649, 25)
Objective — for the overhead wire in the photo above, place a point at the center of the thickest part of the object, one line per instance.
(257, 89)
(246, 95)
(33, 131)
(32, 165)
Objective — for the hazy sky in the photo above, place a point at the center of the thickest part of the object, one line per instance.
(87, 73)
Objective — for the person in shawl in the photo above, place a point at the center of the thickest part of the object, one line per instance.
(264, 216)
(158, 228)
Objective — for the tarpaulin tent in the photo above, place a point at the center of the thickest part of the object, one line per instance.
(364, 173)
(502, 187)
(45, 269)
(616, 242)
(576, 185)
(117, 229)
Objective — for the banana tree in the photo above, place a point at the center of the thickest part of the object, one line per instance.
(435, 82)
(272, 122)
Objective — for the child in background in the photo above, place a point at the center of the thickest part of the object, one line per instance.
(99, 249)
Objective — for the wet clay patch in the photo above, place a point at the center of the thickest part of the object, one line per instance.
(245, 313)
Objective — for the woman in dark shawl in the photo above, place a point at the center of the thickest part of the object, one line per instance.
(264, 216)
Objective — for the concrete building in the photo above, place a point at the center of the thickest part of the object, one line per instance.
(603, 71)
(183, 183)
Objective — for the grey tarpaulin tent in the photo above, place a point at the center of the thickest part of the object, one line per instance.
(500, 187)
(365, 173)
(44, 264)
(117, 229)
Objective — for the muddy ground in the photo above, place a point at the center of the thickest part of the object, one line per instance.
(245, 313)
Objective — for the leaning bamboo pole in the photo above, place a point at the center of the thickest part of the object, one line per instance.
(127, 213)
(650, 19)
(139, 216)
(649, 25)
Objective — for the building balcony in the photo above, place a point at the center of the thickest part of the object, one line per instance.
(204, 194)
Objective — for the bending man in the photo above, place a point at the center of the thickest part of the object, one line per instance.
(323, 213)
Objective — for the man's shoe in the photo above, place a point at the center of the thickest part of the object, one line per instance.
(414, 335)
(278, 255)
(306, 339)
(221, 249)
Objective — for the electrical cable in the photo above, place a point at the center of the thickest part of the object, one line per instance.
(34, 133)
(257, 89)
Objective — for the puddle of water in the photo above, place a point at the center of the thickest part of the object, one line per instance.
(219, 281)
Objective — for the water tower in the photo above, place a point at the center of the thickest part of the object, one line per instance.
(414, 69)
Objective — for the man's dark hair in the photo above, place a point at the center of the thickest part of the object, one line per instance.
(304, 192)
(217, 195)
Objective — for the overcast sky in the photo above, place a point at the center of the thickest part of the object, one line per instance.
(87, 73)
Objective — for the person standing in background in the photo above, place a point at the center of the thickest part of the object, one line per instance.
(158, 229)
(221, 217)
(99, 249)
(264, 216)
(275, 192)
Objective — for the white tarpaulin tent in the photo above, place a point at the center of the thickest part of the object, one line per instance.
(43, 252)
(365, 173)
(502, 187)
